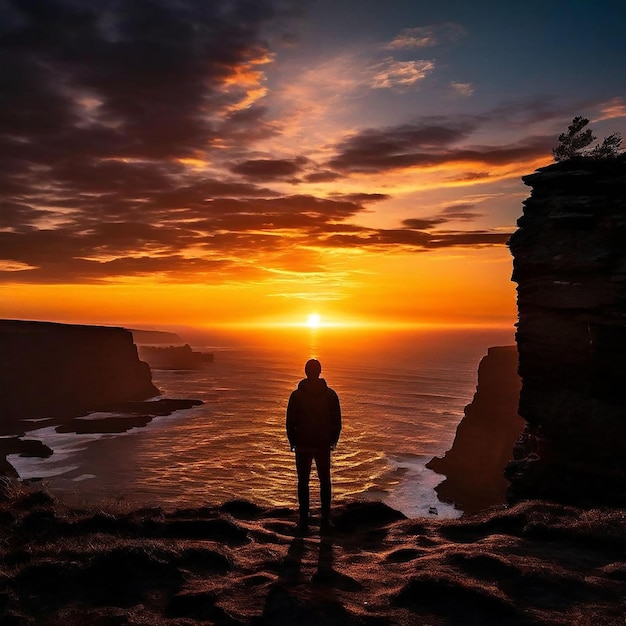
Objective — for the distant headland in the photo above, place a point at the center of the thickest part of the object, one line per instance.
(53, 374)
(50, 369)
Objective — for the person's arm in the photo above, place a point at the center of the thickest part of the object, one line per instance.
(335, 418)
(290, 423)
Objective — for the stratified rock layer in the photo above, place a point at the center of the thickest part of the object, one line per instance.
(484, 440)
(570, 265)
(49, 369)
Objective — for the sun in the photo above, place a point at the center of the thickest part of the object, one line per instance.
(314, 320)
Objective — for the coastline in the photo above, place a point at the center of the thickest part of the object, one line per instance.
(113, 418)
(176, 459)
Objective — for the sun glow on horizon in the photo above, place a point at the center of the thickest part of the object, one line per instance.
(314, 320)
(356, 324)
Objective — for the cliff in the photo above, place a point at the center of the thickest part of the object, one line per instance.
(483, 445)
(570, 265)
(49, 370)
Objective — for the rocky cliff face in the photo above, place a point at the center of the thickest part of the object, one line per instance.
(51, 369)
(570, 265)
(483, 445)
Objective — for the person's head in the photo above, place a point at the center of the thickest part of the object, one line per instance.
(313, 368)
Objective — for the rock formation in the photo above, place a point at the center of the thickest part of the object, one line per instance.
(173, 357)
(484, 440)
(49, 370)
(570, 265)
(124, 416)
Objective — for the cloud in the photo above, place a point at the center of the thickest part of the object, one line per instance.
(244, 126)
(128, 146)
(419, 240)
(197, 236)
(469, 239)
(399, 75)
(317, 85)
(614, 108)
(432, 142)
(469, 177)
(135, 80)
(422, 224)
(398, 146)
(219, 239)
(462, 89)
(270, 169)
(103, 107)
(426, 36)
(20, 217)
(323, 176)
(365, 198)
(460, 212)
(418, 37)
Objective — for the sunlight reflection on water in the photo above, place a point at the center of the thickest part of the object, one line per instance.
(402, 397)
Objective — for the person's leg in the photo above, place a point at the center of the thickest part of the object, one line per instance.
(304, 458)
(322, 464)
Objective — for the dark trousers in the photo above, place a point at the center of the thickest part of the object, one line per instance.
(304, 460)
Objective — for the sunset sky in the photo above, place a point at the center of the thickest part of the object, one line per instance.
(247, 161)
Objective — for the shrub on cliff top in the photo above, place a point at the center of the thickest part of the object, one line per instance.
(578, 137)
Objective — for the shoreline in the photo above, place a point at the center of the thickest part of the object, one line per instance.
(415, 496)
(114, 418)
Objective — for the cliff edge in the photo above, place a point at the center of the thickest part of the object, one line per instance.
(242, 565)
(570, 265)
(483, 445)
(49, 369)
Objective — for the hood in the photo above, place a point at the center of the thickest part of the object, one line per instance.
(313, 386)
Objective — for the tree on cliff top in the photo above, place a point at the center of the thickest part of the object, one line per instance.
(578, 137)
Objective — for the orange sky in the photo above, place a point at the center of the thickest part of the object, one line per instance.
(472, 287)
(158, 173)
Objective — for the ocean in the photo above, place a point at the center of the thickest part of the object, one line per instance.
(402, 396)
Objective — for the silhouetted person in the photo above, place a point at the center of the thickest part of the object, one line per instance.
(313, 429)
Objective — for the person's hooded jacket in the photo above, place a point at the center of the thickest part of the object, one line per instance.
(313, 415)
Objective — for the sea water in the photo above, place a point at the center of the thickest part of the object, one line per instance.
(402, 396)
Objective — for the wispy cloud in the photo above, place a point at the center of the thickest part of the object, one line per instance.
(310, 98)
(614, 108)
(462, 89)
(418, 37)
(463, 212)
(426, 36)
(400, 75)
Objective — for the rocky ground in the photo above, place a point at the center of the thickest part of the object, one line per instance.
(535, 563)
